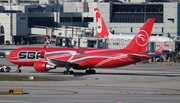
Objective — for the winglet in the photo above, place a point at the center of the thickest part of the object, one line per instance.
(101, 26)
(161, 48)
(46, 38)
(140, 41)
(42, 55)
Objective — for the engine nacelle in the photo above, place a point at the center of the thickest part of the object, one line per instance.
(43, 66)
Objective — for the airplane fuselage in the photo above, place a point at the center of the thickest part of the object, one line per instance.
(85, 58)
(45, 59)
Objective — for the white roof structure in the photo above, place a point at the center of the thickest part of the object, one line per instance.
(152, 38)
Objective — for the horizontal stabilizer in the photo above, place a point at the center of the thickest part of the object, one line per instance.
(140, 56)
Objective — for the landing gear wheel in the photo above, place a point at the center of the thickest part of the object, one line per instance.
(90, 72)
(87, 71)
(2, 70)
(71, 72)
(65, 72)
(18, 70)
(68, 72)
(93, 72)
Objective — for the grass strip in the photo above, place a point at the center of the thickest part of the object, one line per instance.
(22, 78)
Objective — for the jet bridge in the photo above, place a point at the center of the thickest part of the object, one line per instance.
(64, 42)
(83, 42)
(90, 42)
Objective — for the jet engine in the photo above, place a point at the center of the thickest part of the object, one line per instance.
(43, 66)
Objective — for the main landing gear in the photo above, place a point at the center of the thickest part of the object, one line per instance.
(90, 71)
(67, 70)
(18, 69)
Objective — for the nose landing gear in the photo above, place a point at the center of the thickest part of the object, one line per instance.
(18, 69)
(67, 70)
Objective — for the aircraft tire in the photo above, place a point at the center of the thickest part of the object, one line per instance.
(87, 71)
(90, 72)
(68, 72)
(19, 71)
(65, 72)
(2, 70)
(93, 72)
(71, 72)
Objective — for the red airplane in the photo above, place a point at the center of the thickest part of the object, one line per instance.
(45, 59)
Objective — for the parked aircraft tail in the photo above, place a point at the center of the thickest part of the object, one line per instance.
(140, 41)
(103, 32)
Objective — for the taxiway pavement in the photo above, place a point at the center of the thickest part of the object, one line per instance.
(140, 83)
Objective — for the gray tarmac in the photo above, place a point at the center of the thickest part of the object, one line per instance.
(140, 83)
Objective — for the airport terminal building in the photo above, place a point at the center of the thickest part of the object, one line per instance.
(20, 19)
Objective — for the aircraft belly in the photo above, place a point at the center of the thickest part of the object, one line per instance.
(21, 63)
(111, 63)
(103, 63)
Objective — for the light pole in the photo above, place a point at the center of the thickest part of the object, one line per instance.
(11, 26)
(145, 12)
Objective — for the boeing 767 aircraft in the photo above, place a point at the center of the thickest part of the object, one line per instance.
(45, 59)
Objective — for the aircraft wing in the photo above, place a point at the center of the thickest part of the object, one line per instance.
(64, 62)
(164, 53)
(59, 62)
(154, 54)
(140, 56)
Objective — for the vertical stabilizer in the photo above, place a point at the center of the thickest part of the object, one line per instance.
(140, 41)
(101, 26)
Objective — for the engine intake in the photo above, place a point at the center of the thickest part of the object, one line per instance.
(43, 66)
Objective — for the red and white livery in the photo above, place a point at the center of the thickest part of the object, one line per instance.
(45, 59)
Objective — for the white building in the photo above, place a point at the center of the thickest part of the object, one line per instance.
(24, 17)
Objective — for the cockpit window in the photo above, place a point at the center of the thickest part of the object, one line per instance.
(8, 53)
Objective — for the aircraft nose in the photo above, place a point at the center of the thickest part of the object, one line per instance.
(7, 57)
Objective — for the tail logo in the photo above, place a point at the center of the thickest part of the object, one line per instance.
(98, 21)
(142, 38)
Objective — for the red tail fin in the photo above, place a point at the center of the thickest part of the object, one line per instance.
(101, 26)
(161, 48)
(140, 41)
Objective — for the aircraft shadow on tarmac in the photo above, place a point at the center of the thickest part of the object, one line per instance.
(79, 74)
(131, 74)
